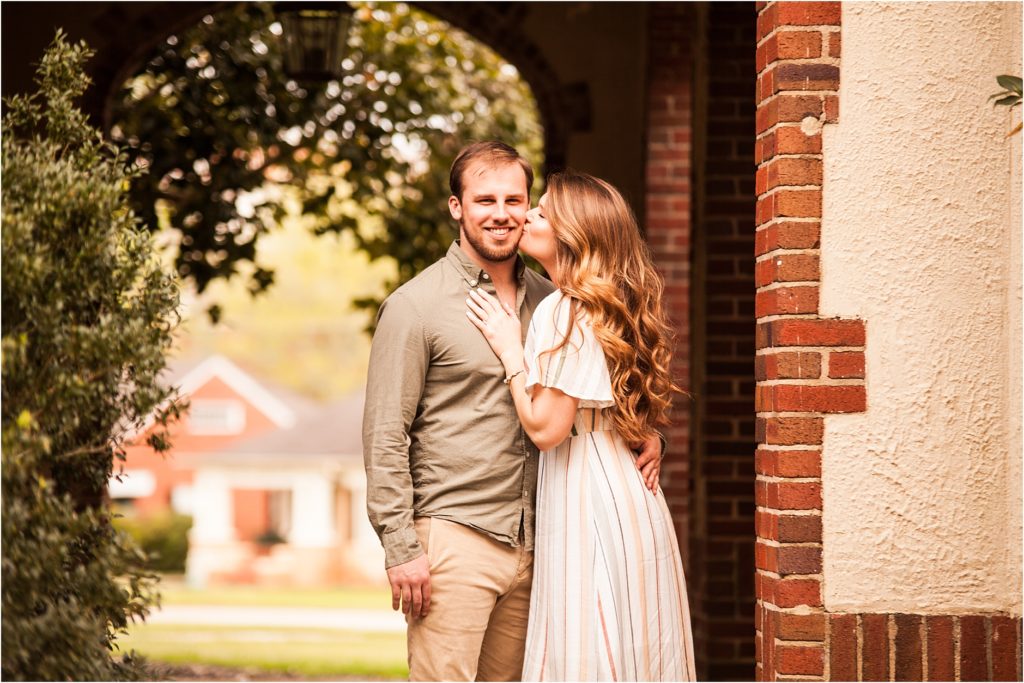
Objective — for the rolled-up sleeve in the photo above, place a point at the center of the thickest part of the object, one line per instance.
(399, 357)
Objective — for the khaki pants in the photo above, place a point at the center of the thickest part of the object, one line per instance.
(479, 606)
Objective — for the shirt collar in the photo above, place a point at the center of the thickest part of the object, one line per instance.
(473, 274)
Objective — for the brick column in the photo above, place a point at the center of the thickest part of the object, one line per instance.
(668, 222)
(806, 366)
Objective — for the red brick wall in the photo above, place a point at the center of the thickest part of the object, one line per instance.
(723, 465)
(806, 366)
(668, 169)
(917, 647)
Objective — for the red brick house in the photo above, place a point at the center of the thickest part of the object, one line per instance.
(227, 407)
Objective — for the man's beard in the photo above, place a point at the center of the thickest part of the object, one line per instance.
(494, 255)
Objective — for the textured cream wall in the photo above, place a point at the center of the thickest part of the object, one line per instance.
(921, 238)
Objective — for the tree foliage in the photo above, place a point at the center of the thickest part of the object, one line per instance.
(214, 118)
(87, 318)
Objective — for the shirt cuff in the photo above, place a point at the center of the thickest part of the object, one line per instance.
(400, 546)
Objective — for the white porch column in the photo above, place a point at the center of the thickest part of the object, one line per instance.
(366, 551)
(212, 520)
(312, 523)
(212, 545)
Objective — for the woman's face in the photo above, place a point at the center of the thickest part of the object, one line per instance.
(539, 237)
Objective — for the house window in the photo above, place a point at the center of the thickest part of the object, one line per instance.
(132, 484)
(181, 499)
(211, 417)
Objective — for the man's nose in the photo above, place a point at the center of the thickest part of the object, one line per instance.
(501, 212)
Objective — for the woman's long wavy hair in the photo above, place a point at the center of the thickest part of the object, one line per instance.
(604, 268)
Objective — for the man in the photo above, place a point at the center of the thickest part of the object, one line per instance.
(451, 477)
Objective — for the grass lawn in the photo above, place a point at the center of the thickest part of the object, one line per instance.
(174, 592)
(312, 652)
(302, 651)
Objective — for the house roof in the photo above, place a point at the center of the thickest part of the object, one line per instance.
(333, 433)
(267, 402)
(282, 406)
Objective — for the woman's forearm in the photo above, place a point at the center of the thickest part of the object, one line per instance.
(547, 415)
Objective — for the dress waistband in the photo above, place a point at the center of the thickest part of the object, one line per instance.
(592, 420)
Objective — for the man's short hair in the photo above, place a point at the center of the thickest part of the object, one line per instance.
(490, 152)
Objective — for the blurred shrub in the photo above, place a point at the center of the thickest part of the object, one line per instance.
(164, 539)
(87, 320)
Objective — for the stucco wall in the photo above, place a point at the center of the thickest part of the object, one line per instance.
(921, 238)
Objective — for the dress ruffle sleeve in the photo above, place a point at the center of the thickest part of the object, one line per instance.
(579, 368)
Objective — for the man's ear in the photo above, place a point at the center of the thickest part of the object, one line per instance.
(455, 207)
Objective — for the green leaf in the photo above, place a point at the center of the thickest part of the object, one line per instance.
(1009, 101)
(1011, 83)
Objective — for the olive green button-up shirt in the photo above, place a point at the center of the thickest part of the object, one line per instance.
(440, 433)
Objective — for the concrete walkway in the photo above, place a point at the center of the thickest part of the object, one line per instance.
(378, 621)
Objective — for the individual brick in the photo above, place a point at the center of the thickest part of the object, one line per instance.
(798, 464)
(798, 203)
(797, 44)
(798, 528)
(842, 647)
(973, 649)
(793, 171)
(875, 649)
(816, 399)
(789, 431)
(787, 235)
(786, 301)
(793, 140)
(939, 634)
(808, 13)
(798, 559)
(795, 495)
(806, 76)
(796, 107)
(806, 660)
(805, 627)
(1005, 661)
(791, 592)
(787, 268)
(908, 647)
(846, 365)
(820, 332)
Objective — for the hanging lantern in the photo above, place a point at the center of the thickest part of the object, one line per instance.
(315, 38)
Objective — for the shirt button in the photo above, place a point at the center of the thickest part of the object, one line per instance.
(486, 276)
(473, 283)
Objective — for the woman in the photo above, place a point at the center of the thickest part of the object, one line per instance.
(609, 597)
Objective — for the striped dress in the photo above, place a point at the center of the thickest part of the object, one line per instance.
(609, 597)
